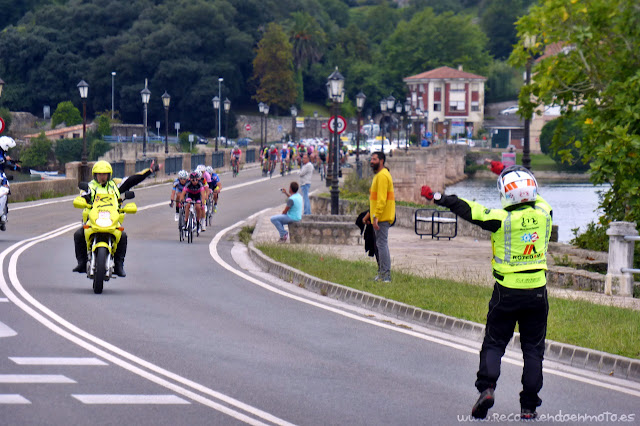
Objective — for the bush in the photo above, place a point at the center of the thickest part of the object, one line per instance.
(66, 113)
(37, 153)
(68, 150)
(561, 140)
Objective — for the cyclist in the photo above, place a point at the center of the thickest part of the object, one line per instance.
(273, 158)
(284, 154)
(302, 150)
(214, 187)
(265, 161)
(236, 154)
(176, 190)
(193, 191)
(6, 143)
(322, 161)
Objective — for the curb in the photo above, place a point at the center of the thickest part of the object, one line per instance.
(563, 353)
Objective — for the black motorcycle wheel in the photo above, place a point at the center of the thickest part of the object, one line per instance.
(101, 269)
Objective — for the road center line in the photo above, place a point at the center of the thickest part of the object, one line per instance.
(130, 399)
(56, 361)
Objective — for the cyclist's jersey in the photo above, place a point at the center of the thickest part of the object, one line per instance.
(206, 177)
(302, 150)
(310, 150)
(177, 186)
(215, 180)
(322, 152)
(193, 191)
(284, 153)
(236, 153)
(265, 153)
(273, 154)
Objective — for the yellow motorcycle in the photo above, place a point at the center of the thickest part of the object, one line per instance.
(102, 223)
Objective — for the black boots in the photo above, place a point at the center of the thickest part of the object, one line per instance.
(118, 268)
(481, 407)
(81, 267)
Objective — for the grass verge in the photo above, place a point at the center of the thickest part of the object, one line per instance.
(604, 328)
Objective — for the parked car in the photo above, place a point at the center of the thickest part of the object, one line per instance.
(509, 111)
(377, 146)
(244, 141)
(200, 139)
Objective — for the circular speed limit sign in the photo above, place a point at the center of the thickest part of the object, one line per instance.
(1, 125)
(342, 124)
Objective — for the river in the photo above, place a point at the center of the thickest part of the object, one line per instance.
(574, 204)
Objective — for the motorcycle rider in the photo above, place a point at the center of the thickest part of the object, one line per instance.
(6, 143)
(103, 183)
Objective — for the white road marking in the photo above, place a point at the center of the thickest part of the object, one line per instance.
(629, 388)
(56, 361)
(3, 299)
(130, 399)
(137, 365)
(13, 399)
(35, 378)
(6, 331)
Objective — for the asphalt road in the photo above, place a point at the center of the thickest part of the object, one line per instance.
(192, 337)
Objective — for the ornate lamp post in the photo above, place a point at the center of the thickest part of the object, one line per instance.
(84, 92)
(529, 42)
(294, 113)
(146, 94)
(113, 91)
(336, 90)
(399, 112)
(360, 98)
(407, 111)
(227, 108)
(386, 106)
(315, 126)
(216, 108)
(261, 109)
(220, 80)
(266, 114)
(166, 100)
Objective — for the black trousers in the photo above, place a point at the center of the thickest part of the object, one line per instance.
(529, 308)
(81, 247)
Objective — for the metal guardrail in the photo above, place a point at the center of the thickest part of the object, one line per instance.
(197, 159)
(139, 139)
(217, 159)
(143, 164)
(440, 220)
(173, 164)
(118, 169)
(250, 157)
(631, 270)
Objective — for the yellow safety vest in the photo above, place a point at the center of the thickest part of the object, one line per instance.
(109, 188)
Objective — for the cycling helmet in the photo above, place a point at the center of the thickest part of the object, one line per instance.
(517, 185)
(183, 174)
(193, 175)
(6, 143)
(102, 167)
(201, 168)
(272, 147)
(199, 174)
(236, 147)
(209, 170)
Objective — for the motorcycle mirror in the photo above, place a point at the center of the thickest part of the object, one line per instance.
(129, 195)
(83, 186)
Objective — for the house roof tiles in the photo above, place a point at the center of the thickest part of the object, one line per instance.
(445, 73)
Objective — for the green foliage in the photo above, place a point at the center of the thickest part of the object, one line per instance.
(503, 82)
(597, 69)
(68, 150)
(36, 154)
(6, 116)
(104, 125)
(497, 19)
(561, 139)
(273, 70)
(185, 145)
(595, 237)
(97, 147)
(66, 113)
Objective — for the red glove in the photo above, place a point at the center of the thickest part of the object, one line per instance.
(426, 192)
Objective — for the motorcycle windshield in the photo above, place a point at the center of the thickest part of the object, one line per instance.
(104, 212)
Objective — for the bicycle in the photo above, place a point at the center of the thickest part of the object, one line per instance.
(181, 221)
(323, 170)
(235, 167)
(209, 214)
(272, 167)
(282, 168)
(193, 225)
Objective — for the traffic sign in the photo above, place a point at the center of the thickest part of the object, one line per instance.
(1, 125)
(247, 127)
(342, 124)
(324, 125)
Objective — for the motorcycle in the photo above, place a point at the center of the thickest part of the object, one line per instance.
(102, 223)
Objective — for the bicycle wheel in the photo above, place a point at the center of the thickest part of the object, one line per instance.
(209, 213)
(189, 228)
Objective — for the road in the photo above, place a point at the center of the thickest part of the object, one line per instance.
(192, 337)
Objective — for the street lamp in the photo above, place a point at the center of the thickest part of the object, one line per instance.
(261, 109)
(407, 111)
(386, 105)
(216, 108)
(113, 75)
(166, 100)
(336, 92)
(399, 112)
(266, 127)
(315, 126)
(360, 98)
(227, 108)
(529, 43)
(146, 94)
(83, 87)
(220, 80)
(294, 113)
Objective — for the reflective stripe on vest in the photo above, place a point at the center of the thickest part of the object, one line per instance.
(96, 188)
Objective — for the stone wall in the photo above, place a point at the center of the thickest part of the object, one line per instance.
(23, 191)
(325, 229)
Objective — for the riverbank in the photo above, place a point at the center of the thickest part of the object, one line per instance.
(542, 176)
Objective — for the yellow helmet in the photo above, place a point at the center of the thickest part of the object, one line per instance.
(102, 167)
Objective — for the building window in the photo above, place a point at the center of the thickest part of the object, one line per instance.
(457, 87)
(475, 106)
(437, 89)
(456, 106)
(437, 106)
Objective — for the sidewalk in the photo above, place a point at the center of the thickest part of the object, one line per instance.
(460, 259)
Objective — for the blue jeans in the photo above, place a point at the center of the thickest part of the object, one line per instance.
(305, 197)
(279, 221)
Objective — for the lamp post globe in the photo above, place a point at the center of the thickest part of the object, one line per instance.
(146, 95)
(216, 106)
(166, 101)
(261, 109)
(335, 86)
(83, 87)
(227, 108)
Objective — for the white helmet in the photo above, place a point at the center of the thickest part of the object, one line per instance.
(201, 168)
(6, 143)
(517, 185)
(209, 170)
(183, 174)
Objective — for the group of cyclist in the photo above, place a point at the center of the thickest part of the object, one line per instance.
(196, 188)
(290, 155)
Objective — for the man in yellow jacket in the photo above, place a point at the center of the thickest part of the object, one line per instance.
(382, 213)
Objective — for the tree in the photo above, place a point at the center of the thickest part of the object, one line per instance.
(66, 113)
(596, 70)
(498, 20)
(273, 69)
(560, 138)
(37, 153)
